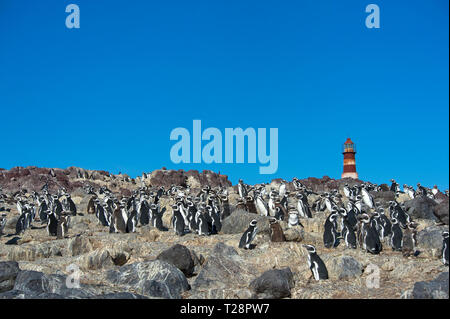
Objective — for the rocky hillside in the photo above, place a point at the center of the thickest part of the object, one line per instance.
(159, 264)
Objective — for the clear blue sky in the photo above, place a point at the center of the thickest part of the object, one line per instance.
(107, 95)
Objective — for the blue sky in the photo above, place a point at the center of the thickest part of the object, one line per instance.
(107, 95)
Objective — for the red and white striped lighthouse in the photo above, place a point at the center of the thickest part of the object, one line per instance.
(349, 160)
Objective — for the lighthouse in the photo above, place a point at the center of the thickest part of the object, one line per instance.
(349, 160)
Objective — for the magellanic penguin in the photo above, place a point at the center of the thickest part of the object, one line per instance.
(52, 224)
(370, 237)
(120, 219)
(62, 226)
(396, 235)
(177, 221)
(445, 248)
(330, 231)
(316, 264)
(91, 205)
(276, 232)
(202, 224)
(409, 240)
(132, 222)
(348, 230)
(250, 204)
(248, 235)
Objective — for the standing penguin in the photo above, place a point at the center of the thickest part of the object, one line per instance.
(396, 235)
(371, 239)
(348, 232)
(62, 227)
(202, 224)
(70, 205)
(52, 225)
(248, 235)
(177, 221)
(445, 248)
(409, 240)
(276, 232)
(330, 232)
(120, 219)
(250, 204)
(316, 264)
(2, 223)
(132, 222)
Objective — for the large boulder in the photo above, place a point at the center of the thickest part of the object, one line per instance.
(429, 241)
(433, 289)
(154, 278)
(34, 284)
(79, 245)
(8, 273)
(343, 268)
(180, 257)
(273, 284)
(239, 221)
(224, 269)
(442, 210)
(421, 207)
(97, 259)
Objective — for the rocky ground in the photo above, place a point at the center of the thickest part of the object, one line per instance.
(156, 264)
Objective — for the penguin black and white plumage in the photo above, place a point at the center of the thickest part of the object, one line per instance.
(348, 230)
(445, 248)
(242, 189)
(144, 213)
(248, 235)
(52, 224)
(70, 205)
(409, 240)
(21, 224)
(316, 264)
(132, 222)
(177, 221)
(276, 232)
(396, 235)
(120, 219)
(330, 231)
(303, 207)
(202, 224)
(261, 206)
(62, 227)
(216, 223)
(157, 218)
(371, 238)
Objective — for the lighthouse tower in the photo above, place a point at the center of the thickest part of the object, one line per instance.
(349, 160)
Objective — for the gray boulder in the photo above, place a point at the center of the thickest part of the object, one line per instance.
(8, 274)
(239, 221)
(154, 278)
(429, 241)
(421, 207)
(433, 289)
(180, 257)
(39, 285)
(273, 284)
(224, 269)
(343, 268)
(442, 211)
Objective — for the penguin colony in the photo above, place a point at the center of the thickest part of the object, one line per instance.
(360, 222)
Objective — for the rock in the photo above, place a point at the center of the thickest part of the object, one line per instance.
(154, 278)
(442, 210)
(79, 245)
(274, 284)
(295, 234)
(429, 241)
(11, 223)
(223, 269)
(433, 289)
(98, 259)
(383, 197)
(31, 252)
(421, 207)
(180, 257)
(37, 284)
(343, 268)
(8, 274)
(239, 221)
(313, 225)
